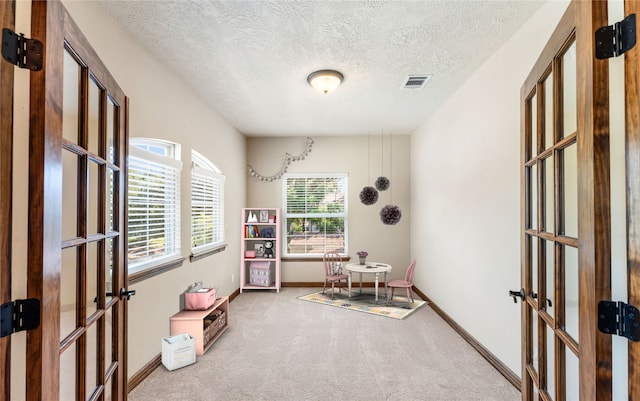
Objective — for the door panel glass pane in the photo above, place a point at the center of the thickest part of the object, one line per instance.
(549, 272)
(68, 285)
(69, 195)
(108, 270)
(570, 190)
(535, 342)
(71, 89)
(94, 118)
(92, 278)
(534, 126)
(571, 290)
(534, 197)
(569, 102)
(572, 371)
(534, 265)
(108, 339)
(548, 195)
(551, 340)
(107, 390)
(110, 217)
(91, 355)
(68, 373)
(93, 195)
(111, 126)
(548, 112)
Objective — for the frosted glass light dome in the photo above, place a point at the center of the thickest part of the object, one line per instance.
(325, 80)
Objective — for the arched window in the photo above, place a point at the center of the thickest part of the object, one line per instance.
(154, 203)
(207, 206)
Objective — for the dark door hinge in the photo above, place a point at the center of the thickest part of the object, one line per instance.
(21, 51)
(614, 40)
(23, 314)
(619, 318)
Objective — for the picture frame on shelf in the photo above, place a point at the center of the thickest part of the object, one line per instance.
(259, 248)
(264, 216)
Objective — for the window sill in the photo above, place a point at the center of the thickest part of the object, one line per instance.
(149, 272)
(201, 254)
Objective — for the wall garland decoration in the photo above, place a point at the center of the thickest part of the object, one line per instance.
(288, 158)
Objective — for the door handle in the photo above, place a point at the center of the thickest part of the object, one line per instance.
(108, 294)
(535, 296)
(126, 294)
(515, 294)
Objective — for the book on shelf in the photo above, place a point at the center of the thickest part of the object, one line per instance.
(251, 231)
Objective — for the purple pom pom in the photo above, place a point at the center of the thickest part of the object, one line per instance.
(382, 183)
(390, 214)
(368, 195)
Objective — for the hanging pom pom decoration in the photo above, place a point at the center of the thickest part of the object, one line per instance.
(390, 214)
(382, 183)
(368, 195)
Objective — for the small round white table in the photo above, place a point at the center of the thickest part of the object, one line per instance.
(371, 268)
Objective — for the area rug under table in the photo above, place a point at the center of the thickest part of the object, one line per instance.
(398, 309)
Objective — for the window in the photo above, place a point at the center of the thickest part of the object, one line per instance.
(207, 205)
(154, 203)
(315, 213)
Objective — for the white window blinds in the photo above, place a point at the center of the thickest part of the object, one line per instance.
(315, 213)
(207, 208)
(154, 208)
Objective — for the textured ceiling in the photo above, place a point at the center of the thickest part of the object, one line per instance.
(250, 59)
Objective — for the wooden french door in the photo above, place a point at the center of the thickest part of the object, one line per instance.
(567, 175)
(77, 163)
(632, 159)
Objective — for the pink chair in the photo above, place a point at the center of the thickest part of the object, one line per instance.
(332, 274)
(407, 283)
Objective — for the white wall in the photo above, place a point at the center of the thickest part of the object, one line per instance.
(465, 180)
(385, 243)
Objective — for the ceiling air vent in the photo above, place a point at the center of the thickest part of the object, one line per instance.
(415, 81)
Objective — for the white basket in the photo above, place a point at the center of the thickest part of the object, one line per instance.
(178, 351)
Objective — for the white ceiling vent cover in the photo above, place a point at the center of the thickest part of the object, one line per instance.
(415, 81)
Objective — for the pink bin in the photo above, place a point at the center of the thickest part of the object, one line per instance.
(200, 300)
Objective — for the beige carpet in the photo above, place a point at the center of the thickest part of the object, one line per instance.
(279, 348)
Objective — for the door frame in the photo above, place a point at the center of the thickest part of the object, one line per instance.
(594, 206)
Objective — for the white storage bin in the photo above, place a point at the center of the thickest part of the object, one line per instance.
(178, 351)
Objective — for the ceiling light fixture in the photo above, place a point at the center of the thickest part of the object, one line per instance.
(325, 80)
